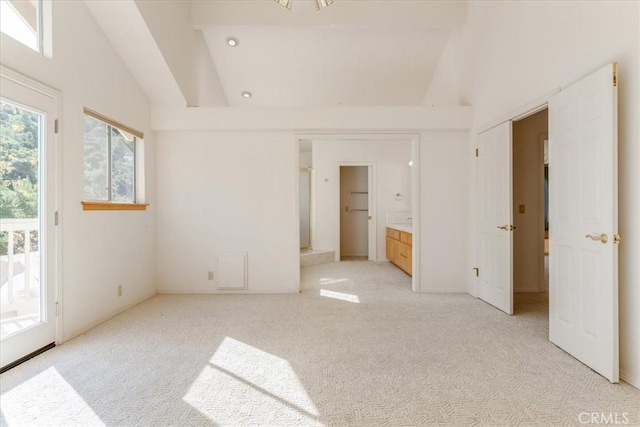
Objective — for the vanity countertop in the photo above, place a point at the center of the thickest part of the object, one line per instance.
(407, 228)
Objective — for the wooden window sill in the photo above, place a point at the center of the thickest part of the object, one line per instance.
(113, 206)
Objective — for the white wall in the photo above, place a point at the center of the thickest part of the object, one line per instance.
(516, 52)
(443, 211)
(444, 205)
(100, 250)
(227, 192)
(528, 190)
(442, 146)
(354, 225)
(393, 175)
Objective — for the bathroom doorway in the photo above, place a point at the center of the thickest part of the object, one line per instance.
(354, 214)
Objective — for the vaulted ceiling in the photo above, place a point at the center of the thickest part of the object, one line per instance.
(352, 53)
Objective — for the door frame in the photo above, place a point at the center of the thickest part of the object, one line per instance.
(372, 250)
(414, 139)
(56, 233)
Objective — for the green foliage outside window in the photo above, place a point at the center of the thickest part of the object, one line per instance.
(19, 139)
(100, 140)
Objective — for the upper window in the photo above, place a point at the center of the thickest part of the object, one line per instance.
(110, 151)
(22, 20)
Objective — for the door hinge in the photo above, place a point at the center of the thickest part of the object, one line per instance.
(57, 308)
(615, 74)
(56, 217)
(477, 152)
(477, 270)
(55, 126)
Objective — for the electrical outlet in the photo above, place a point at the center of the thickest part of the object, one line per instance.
(120, 290)
(210, 275)
(521, 209)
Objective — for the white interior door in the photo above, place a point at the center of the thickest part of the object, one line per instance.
(495, 253)
(583, 220)
(28, 253)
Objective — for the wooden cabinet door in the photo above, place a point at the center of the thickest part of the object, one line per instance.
(392, 250)
(406, 238)
(398, 249)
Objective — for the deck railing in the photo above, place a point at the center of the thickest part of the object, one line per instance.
(11, 227)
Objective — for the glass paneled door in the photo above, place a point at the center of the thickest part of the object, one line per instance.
(28, 254)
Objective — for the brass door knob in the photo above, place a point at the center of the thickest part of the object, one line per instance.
(603, 238)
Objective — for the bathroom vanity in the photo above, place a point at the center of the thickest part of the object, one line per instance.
(398, 247)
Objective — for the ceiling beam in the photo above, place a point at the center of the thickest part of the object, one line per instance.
(125, 28)
(351, 13)
(324, 119)
(184, 51)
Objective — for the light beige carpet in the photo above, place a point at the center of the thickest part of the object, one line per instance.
(356, 347)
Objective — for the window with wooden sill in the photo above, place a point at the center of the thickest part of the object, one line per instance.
(112, 164)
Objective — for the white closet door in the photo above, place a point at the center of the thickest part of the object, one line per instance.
(583, 262)
(496, 217)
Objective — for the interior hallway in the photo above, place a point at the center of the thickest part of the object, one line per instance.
(355, 348)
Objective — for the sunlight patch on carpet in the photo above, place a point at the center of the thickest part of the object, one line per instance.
(331, 281)
(47, 398)
(339, 295)
(245, 385)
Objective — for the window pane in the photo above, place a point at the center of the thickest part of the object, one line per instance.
(96, 160)
(123, 148)
(20, 142)
(20, 20)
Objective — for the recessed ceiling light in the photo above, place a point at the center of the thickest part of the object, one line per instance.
(246, 94)
(232, 41)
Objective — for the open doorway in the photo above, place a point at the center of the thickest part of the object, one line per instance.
(530, 214)
(354, 213)
(360, 185)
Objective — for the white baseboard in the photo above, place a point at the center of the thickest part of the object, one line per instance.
(635, 382)
(103, 319)
(197, 291)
